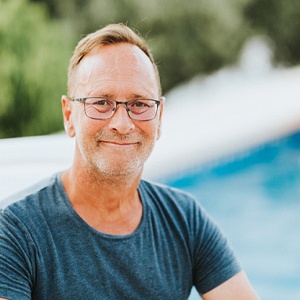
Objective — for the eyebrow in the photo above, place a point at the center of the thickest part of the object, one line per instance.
(138, 96)
(132, 96)
(108, 96)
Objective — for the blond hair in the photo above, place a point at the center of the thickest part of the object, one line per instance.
(108, 35)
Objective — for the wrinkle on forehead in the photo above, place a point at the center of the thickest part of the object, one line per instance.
(121, 64)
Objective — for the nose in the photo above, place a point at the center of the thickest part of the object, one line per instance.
(120, 120)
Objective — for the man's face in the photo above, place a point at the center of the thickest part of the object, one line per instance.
(119, 145)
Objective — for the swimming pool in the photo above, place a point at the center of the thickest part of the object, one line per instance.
(255, 198)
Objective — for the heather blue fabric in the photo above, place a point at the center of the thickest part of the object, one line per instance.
(48, 252)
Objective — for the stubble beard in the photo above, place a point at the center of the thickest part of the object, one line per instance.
(122, 165)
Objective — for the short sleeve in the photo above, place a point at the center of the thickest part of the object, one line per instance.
(15, 265)
(214, 260)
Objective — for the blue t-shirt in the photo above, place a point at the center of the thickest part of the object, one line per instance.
(48, 252)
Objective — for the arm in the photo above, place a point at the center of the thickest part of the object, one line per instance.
(235, 288)
(218, 275)
(14, 261)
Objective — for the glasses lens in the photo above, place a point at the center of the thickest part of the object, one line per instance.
(142, 109)
(98, 108)
(138, 109)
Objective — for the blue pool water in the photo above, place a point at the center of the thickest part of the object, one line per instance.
(255, 198)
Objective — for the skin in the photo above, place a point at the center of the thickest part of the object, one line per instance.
(110, 154)
(236, 288)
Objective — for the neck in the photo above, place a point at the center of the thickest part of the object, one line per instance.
(110, 204)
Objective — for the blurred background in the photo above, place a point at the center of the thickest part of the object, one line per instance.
(37, 39)
(231, 134)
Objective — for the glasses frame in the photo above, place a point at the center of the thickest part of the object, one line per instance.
(83, 100)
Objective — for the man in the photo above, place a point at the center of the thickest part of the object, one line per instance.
(97, 231)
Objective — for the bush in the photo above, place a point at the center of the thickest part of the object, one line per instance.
(34, 56)
(186, 38)
(279, 20)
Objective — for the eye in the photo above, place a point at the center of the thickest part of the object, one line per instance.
(140, 104)
(99, 102)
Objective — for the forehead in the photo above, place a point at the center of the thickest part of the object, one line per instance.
(116, 69)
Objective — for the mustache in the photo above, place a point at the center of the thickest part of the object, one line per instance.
(116, 137)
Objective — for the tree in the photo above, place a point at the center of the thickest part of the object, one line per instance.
(280, 21)
(34, 55)
(186, 38)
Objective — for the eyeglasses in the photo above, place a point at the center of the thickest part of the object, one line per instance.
(102, 108)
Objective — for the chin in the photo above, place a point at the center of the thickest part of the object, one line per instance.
(124, 169)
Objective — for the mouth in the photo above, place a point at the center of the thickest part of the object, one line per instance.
(118, 144)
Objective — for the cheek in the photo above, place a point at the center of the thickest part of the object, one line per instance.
(151, 134)
(86, 140)
(82, 124)
(86, 132)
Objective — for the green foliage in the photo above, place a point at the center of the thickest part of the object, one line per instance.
(280, 21)
(34, 55)
(186, 38)
(200, 37)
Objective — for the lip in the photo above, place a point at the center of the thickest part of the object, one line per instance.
(118, 144)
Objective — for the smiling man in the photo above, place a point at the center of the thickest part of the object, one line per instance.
(97, 230)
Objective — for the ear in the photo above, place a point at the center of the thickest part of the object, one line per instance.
(67, 113)
(161, 109)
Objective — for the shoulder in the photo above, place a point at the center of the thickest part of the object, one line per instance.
(167, 192)
(176, 203)
(27, 199)
(28, 214)
(169, 196)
